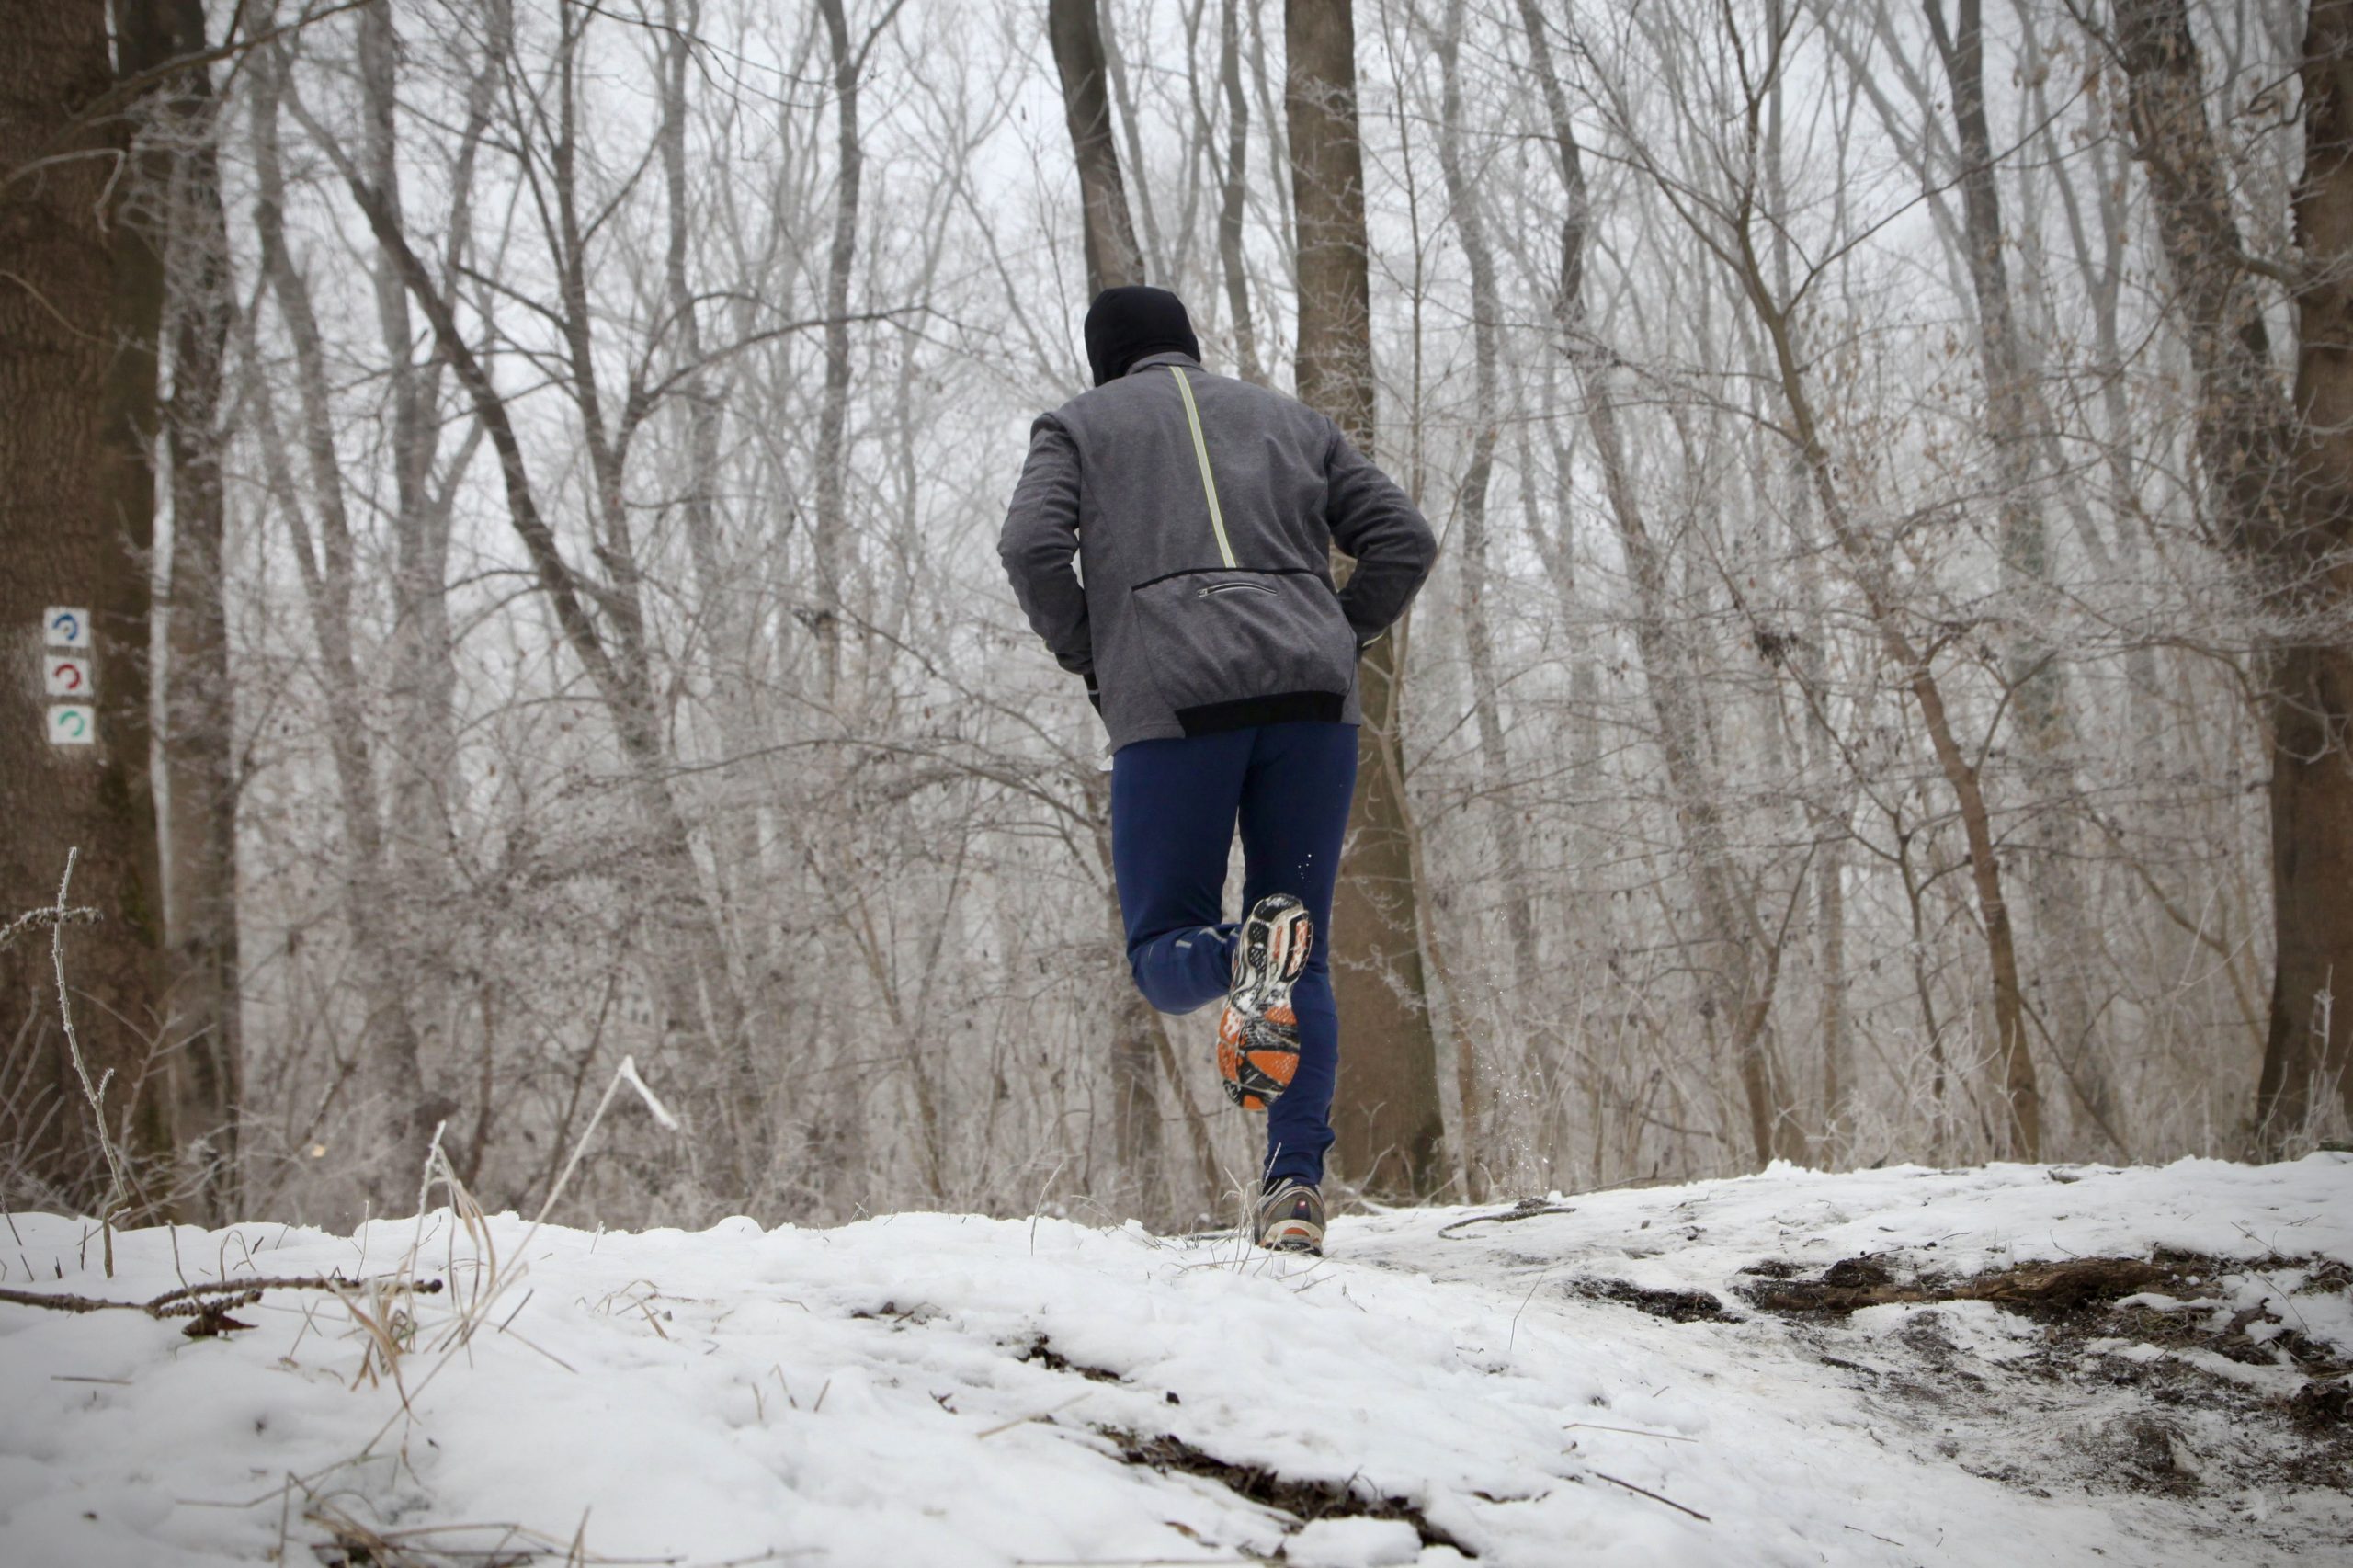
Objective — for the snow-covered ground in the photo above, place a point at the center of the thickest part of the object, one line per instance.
(1585, 1382)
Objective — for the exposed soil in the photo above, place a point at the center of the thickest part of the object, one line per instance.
(2321, 1407)
(2126, 1400)
(1043, 1352)
(918, 1313)
(1676, 1306)
(1854, 1283)
(1305, 1501)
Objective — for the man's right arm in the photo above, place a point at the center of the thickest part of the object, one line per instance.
(1374, 520)
(1040, 544)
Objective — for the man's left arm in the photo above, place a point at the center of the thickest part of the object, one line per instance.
(1039, 546)
(1374, 520)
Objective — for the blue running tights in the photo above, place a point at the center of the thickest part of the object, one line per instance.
(1174, 804)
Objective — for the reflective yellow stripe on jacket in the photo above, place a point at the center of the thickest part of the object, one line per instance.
(1202, 450)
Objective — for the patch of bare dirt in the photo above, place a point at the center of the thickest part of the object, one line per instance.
(1854, 1283)
(1676, 1306)
(1305, 1501)
(1041, 1351)
(2118, 1383)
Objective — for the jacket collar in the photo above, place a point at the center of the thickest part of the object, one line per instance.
(1165, 356)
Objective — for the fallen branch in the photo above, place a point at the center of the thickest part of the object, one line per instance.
(1654, 1497)
(1526, 1209)
(207, 1305)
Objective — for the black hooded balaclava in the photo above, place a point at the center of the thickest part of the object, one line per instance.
(1126, 324)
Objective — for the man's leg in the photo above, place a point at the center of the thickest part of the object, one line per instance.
(1173, 804)
(1294, 813)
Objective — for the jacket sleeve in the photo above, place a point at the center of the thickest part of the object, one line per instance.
(1373, 520)
(1039, 546)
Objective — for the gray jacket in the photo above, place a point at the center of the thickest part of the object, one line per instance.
(1201, 511)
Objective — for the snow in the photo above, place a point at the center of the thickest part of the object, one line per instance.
(1353, 1543)
(929, 1389)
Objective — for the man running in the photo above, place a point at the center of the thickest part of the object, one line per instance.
(1200, 513)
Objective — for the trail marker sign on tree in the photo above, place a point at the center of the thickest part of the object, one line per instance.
(69, 674)
(66, 675)
(65, 626)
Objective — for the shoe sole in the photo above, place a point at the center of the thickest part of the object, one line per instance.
(1267, 1046)
(1292, 1220)
(1274, 956)
(1293, 1235)
(1259, 1027)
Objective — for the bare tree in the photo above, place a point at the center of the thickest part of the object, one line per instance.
(700, 995)
(1113, 260)
(1828, 576)
(1738, 941)
(81, 308)
(1112, 255)
(199, 738)
(1479, 608)
(1386, 1114)
(1233, 183)
(1726, 224)
(833, 533)
(388, 1056)
(2278, 474)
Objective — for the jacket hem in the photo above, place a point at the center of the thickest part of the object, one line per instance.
(1280, 708)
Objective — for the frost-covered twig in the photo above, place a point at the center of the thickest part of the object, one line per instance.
(38, 919)
(625, 1073)
(118, 1181)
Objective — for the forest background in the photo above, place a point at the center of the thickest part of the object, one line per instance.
(530, 470)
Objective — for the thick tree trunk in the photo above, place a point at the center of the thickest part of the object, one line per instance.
(1151, 254)
(1109, 236)
(2253, 445)
(1386, 1113)
(1135, 1045)
(1112, 260)
(79, 313)
(2310, 1046)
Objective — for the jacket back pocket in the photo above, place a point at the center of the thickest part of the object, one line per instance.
(1236, 645)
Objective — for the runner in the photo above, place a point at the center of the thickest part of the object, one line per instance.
(1170, 539)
